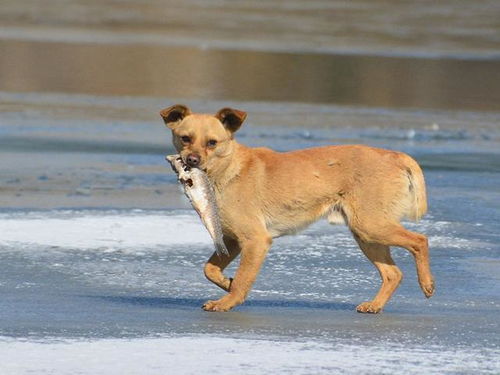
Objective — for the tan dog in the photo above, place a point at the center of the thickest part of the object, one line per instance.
(264, 194)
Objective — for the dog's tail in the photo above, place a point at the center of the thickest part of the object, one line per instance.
(418, 196)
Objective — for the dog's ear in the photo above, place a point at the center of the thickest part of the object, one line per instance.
(174, 114)
(231, 118)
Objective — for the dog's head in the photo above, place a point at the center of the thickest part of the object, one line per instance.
(202, 140)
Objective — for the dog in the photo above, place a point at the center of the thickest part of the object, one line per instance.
(263, 194)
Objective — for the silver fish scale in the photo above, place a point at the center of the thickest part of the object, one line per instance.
(220, 246)
(200, 191)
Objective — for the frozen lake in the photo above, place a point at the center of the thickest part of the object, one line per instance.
(124, 283)
(128, 281)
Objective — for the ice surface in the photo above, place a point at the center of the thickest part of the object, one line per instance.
(134, 273)
(102, 230)
(134, 229)
(228, 355)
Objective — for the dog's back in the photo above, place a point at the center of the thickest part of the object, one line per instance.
(296, 188)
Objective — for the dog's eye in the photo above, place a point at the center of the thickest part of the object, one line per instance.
(186, 139)
(212, 143)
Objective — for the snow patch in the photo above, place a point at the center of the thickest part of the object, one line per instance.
(103, 230)
(226, 355)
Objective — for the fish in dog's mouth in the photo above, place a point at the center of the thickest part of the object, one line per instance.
(185, 166)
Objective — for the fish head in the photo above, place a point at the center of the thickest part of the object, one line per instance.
(203, 140)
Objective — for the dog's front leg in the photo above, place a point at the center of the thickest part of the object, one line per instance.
(218, 262)
(253, 253)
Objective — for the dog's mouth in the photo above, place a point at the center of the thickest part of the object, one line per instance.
(188, 167)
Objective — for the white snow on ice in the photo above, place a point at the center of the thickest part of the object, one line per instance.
(123, 230)
(78, 230)
(225, 355)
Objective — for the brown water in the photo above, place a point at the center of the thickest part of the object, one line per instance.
(423, 54)
(187, 72)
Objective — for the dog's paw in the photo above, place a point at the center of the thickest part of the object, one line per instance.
(216, 306)
(428, 288)
(369, 308)
(226, 303)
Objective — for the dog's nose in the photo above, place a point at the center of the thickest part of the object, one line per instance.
(193, 160)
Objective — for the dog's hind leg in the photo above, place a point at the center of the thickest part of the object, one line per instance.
(217, 263)
(391, 275)
(382, 232)
(418, 246)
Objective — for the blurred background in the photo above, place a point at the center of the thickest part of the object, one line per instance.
(86, 79)
(97, 240)
(377, 53)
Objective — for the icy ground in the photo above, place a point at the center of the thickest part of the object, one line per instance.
(119, 291)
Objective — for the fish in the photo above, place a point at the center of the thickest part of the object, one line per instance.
(200, 192)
